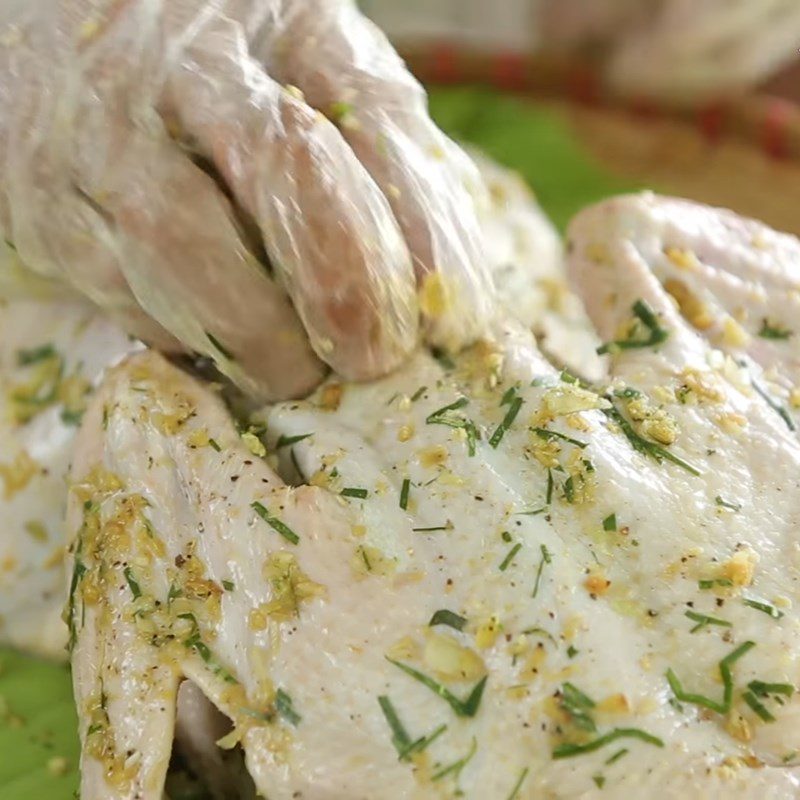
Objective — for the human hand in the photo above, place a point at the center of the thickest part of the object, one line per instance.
(111, 120)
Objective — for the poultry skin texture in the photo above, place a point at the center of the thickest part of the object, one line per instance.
(476, 577)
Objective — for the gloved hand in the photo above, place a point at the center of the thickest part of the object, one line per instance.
(679, 50)
(149, 150)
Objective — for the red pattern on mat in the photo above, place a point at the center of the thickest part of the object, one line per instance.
(774, 125)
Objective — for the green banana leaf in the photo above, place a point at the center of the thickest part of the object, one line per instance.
(38, 741)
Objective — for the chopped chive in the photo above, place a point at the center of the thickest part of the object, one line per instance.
(511, 553)
(548, 498)
(227, 585)
(703, 619)
(132, 583)
(507, 422)
(219, 346)
(422, 743)
(280, 527)
(463, 708)
(546, 559)
(506, 536)
(655, 336)
(770, 331)
(599, 781)
(284, 707)
(645, 446)
(36, 354)
(416, 396)
(432, 528)
(445, 617)
(777, 407)
(350, 491)
(285, 441)
(610, 523)
(761, 689)
(532, 513)
(617, 756)
(441, 417)
(572, 651)
(400, 738)
(539, 632)
(721, 707)
(548, 435)
(457, 766)
(213, 443)
(725, 504)
(69, 417)
(710, 583)
(760, 709)
(508, 395)
(518, 784)
(766, 608)
(569, 489)
(405, 489)
(568, 750)
(577, 705)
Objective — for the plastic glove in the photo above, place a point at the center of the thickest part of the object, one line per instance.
(680, 50)
(115, 122)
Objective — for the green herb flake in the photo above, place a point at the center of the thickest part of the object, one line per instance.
(71, 417)
(761, 689)
(508, 421)
(703, 620)
(599, 781)
(227, 585)
(284, 707)
(404, 492)
(508, 559)
(777, 407)
(771, 330)
(610, 523)
(213, 444)
(723, 706)
(645, 446)
(549, 436)
(35, 355)
(652, 335)
(463, 708)
(572, 651)
(578, 705)
(443, 416)
(286, 441)
(766, 608)
(351, 491)
(416, 396)
(132, 583)
(545, 559)
(758, 707)
(710, 583)
(450, 618)
(219, 346)
(518, 784)
(457, 766)
(725, 504)
(280, 527)
(616, 756)
(568, 750)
